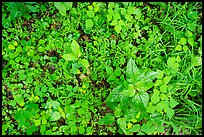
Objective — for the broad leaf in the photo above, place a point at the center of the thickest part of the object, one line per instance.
(107, 119)
(89, 23)
(122, 124)
(69, 57)
(141, 97)
(115, 95)
(155, 97)
(131, 68)
(84, 62)
(60, 6)
(55, 116)
(75, 48)
(68, 5)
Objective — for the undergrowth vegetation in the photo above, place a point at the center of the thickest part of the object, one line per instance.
(96, 68)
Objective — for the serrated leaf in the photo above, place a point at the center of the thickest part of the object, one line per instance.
(84, 62)
(75, 48)
(89, 23)
(55, 116)
(107, 119)
(69, 57)
(170, 113)
(167, 79)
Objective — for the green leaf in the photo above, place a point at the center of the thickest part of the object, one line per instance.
(130, 92)
(117, 112)
(189, 33)
(141, 97)
(69, 57)
(68, 5)
(89, 23)
(109, 17)
(81, 111)
(55, 116)
(12, 47)
(160, 74)
(131, 68)
(107, 119)
(109, 70)
(182, 41)
(90, 14)
(84, 62)
(173, 103)
(150, 108)
(32, 8)
(81, 130)
(178, 48)
(135, 128)
(117, 72)
(138, 13)
(75, 48)
(114, 96)
(37, 122)
(170, 113)
(60, 6)
(197, 61)
(160, 129)
(191, 41)
(144, 86)
(140, 133)
(163, 88)
(155, 97)
(167, 79)
(122, 124)
(114, 23)
(118, 28)
(44, 120)
(171, 61)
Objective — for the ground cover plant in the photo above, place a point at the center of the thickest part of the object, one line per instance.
(101, 68)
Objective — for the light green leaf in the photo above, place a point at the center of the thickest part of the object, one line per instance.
(84, 62)
(55, 116)
(160, 74)
(163, 88)
(44, 120)
(81, 130)
(114, 23)
(75, 48)
(191, 41)
(197, 61)
(109, 17)
(138, 13)
(118, 28)
(173, 103)
(69, 57)
(107, 119)
(167, 79)
(114, 96)
(68, 5)
(171, 61)
(89, 23)
(37, 122)
(150, 108)
(90, 14)
(178, 48)
(170, 113)
(122, 124)
(155, 97)
(189, 33)
(182, 41)
(60, 7)
(11, 46)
